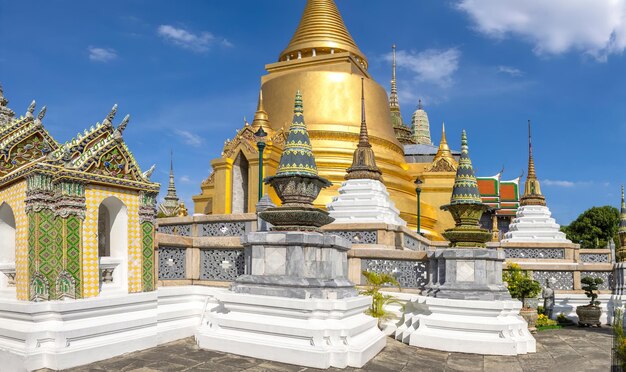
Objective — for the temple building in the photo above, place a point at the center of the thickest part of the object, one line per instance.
(76, 219)
(323, 61)
(503, 199)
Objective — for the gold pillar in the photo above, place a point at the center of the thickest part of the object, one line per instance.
(495, 231)
(222, 201)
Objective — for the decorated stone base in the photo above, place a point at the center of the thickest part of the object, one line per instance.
(297, 265)
(467, 274)
(478, 327)
(316, 333)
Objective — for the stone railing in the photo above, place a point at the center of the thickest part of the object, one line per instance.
(201, 249)
(207, 250)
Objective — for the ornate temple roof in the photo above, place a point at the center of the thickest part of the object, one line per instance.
(444, 160)
(297, 157)
(97, 155)
(261, 119)
(501, 195)
(465, 189)
(6, 114)
(420, 126)
(321, 31)
(403, 133)
(363, 161)
(532, 190)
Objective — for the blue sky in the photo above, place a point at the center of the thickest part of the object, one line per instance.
(188, 72)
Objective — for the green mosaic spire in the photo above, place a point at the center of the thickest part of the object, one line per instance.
(297, 157)
(465, 190)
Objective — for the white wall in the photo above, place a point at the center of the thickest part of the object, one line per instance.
(116, 230)
(7, 234)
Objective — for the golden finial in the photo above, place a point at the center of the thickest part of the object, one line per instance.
(321, 28)
(443, 160)
(261, 119)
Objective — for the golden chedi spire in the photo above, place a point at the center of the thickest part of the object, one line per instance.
(363, 161)
(532, 190)
(443, 161)
(261, 118)
(403, 133)
(321, 31)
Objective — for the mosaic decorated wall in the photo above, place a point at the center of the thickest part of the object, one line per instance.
(14, 197)
(94, 196)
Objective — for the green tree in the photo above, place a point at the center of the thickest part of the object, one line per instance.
(375, 282)
(594, 227)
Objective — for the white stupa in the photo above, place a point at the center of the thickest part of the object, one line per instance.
(533, 222)
(363, 198)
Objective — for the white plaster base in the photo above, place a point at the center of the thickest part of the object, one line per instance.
(533, 223)
(316, 333)
(466, 326)
(64, 334)
(364, 201)
(567, 303)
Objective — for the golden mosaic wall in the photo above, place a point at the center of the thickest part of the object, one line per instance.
(94, 196)
(14, 196)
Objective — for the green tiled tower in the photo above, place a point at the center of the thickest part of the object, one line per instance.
(296, 181)
(466, 206)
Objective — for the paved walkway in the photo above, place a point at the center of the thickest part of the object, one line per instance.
(563, 350)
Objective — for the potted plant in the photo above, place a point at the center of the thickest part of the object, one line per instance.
(590, 314)
(375, 281)
(522, 287)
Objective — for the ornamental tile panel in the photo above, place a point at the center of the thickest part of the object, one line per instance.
(147, 242)
(182, 230)
(94, 195)
(594, 257)
(564, 279)
(222, 229)
(607, 276)
(410, 274)
(538, 253)
(172, 263)
(358, 237)
(14, 196)
(221, 264)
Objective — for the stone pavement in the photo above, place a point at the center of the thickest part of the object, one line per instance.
(563, 350)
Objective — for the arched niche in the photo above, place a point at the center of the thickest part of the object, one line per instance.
(113, 246)
(7, 251)
(239, 188)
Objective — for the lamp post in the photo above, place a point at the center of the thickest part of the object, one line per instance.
(418, 191)
(260, 136)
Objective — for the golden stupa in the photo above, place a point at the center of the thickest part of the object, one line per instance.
(323, 61)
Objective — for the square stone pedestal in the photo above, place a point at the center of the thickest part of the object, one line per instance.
(296, 265)
(467, 274)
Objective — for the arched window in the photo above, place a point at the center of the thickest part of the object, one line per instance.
(113, 246)
(240, 184)
(7, 251)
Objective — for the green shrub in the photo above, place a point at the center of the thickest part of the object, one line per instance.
(375, 281)
(519, 283)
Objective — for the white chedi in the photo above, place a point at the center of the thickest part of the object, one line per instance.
(364, 201)
(533, 223)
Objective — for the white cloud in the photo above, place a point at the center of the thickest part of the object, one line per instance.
(510, 71)
(197, 42)
(432, 65)
(596, 28)
(185, 179)
(101, 54)
(570, 184)
(189, 138)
